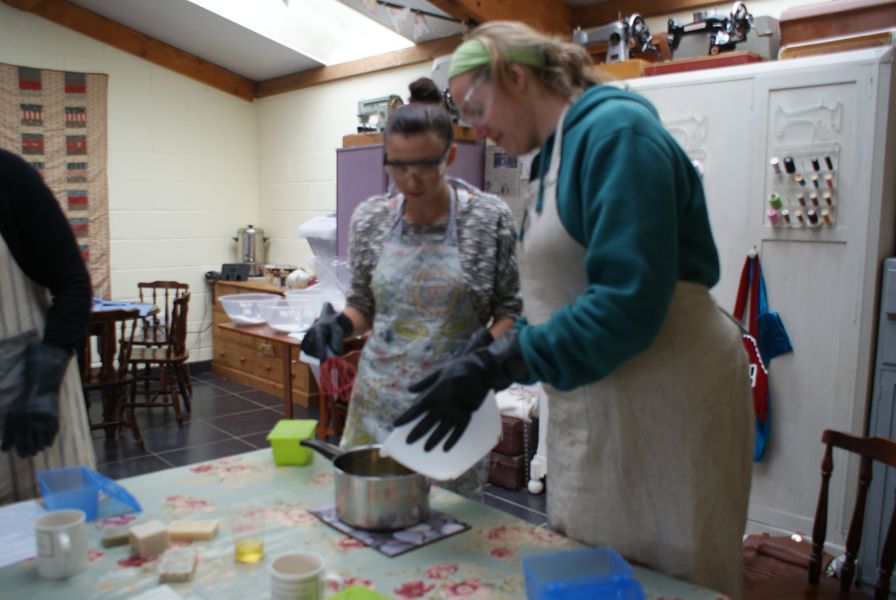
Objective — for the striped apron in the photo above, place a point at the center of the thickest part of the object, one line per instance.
(23, 306)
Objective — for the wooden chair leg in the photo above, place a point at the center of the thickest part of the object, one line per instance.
(183, 385)
(169, 385)
(130, 418)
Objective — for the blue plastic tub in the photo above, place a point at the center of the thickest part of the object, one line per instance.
(588, 573)
(79, 487)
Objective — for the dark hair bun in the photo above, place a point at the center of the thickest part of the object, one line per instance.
(425, 90)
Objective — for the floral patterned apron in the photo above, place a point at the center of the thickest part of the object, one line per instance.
(423, 314)
(654, 459)
(23, 305)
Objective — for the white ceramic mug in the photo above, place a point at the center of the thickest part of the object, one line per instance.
(300, 576)
(61, 543)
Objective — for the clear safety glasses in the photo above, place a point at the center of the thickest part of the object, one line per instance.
(475, 105)
(426, 169)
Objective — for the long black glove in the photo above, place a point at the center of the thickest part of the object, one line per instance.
(452, 393)
(481, 338)
(324, 338)
(33, 418)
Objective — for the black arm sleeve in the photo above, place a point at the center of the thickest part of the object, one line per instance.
(42, 243)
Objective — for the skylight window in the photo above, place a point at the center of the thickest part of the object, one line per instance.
(325, 30)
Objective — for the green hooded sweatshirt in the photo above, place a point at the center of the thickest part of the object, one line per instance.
(631, 197)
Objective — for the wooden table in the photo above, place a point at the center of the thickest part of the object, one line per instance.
(481, 562)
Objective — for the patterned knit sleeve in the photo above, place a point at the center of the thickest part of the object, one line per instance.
(369, 225)
(488, 255)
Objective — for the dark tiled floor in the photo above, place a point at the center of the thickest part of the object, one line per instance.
(230, 418)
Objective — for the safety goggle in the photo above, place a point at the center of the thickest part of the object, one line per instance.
(421, 169)
(476, 103)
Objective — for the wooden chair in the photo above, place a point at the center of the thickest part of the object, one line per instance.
(154, 330)
(111, 336)
(815, 586)
(168, 360)
(333, 411)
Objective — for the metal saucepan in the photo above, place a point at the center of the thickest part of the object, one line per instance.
(375, 492)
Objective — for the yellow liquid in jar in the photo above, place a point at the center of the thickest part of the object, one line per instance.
(249, 551)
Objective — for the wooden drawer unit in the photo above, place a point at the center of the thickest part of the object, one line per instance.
(252, 361)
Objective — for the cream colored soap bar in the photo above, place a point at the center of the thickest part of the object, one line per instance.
(177, 564)
(149, 539)
(193, 530)
(115, 535)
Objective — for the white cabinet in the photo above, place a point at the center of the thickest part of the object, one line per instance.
(823, 280)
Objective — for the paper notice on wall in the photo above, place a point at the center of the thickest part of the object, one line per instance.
(505, 176)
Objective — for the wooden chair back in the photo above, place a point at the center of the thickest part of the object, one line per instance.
(870, 449)
(162, 294)
(177, 331)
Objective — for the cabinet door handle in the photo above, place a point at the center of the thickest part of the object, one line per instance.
(266, 348)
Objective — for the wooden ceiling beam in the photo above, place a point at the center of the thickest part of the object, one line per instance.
(129, 40)
(424, 52)
(552, 16)
(605, 12)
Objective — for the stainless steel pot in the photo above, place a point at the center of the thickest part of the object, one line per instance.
(375, 492)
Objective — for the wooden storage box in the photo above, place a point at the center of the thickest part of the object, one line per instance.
(509, 472)
(514, 432)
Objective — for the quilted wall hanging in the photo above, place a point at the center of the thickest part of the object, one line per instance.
(57, 121)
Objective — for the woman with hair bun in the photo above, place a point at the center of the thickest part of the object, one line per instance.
(431, 264)
(650, 433)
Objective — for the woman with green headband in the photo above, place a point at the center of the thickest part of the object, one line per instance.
(650, 433)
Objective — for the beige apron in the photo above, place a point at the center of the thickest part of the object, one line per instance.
(23, 305)
(654, 459)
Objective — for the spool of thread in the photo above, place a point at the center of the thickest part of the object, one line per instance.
(828, 163)
(774, 200)
(812, 216)
(789, 166)
(826, 216)
(828, 199)
(813, 198)
(776, 165)
(829, 180)
(773, 216)
(814, 179)
(801, 200)
(815, 166)
(799, 216)
(785, 214)
(799, 179)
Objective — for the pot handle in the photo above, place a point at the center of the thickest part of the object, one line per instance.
(329, 450)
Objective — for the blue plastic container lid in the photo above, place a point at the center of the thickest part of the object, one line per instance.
(79, 487)
(583, 573)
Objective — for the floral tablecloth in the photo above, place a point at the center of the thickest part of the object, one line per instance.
(483, 562)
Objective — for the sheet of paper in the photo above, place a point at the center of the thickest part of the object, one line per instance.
(17, 540)
(163, 592)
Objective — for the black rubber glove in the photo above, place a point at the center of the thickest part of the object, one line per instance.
(481, 338)
(325, 336)
(452, 393)
(33, 418)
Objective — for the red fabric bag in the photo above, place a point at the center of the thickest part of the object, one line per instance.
(749, 288)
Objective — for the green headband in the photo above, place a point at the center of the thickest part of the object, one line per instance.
(472, 54)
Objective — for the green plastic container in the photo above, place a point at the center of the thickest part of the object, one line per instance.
(285, 438)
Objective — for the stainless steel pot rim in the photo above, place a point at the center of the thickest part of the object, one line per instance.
(373, 448)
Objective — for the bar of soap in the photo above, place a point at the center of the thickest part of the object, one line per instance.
(193, 530)
(177, 564)
(149, 539)
(116, 535)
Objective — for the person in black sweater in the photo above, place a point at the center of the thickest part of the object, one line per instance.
(43, 247)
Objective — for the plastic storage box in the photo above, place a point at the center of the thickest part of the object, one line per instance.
(588, 573)
(321, 235)
(79, 487)
(285, 438)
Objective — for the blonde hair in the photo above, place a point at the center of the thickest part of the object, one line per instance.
(564, 69)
